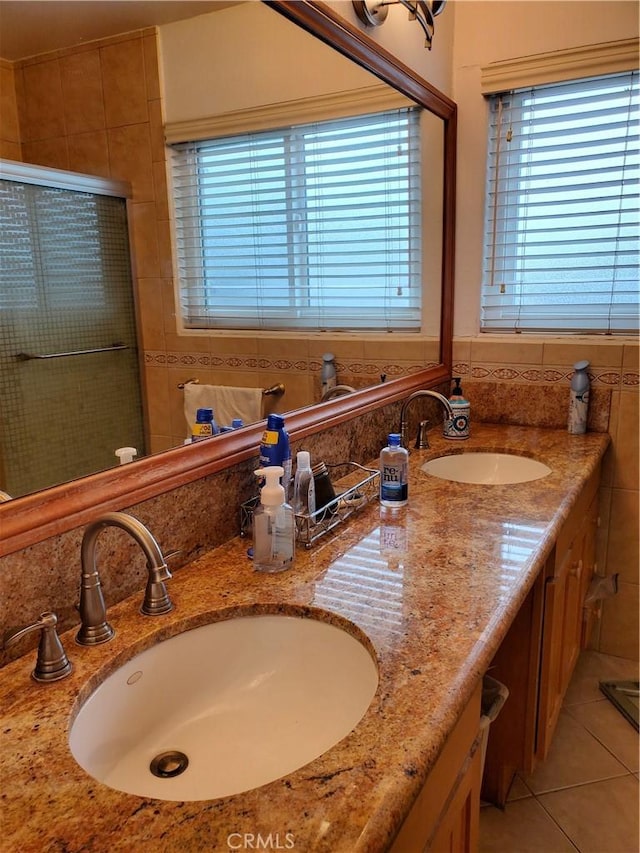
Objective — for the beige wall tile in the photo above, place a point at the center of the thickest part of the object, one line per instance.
(227, 344)
(602, 537)
(10, 150)
(81, 80)
(342, 348)
(627, 457)
(130, 159)
(160, 191)
(125, 96)
(47, 152)
(461, 350)
(619, 627)
(152, 77)
(165, 255)
(389, 348)
(598, 354)
(145, 236)
(89, 153)
(288, 349)
(9, 129)
(157, 390)
(624, 542)
(42, 110)
(150, 313)
(631, 357)
(501, 352)
(156, 132)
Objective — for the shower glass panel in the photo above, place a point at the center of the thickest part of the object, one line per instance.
(69, 375)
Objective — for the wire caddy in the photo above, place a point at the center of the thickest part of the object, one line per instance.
(356, 486)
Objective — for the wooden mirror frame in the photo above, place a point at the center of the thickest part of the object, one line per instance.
(40, 515)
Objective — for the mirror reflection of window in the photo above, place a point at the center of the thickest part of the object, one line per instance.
(313, 226)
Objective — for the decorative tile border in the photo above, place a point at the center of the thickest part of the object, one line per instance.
(604, 377)
(156, 358)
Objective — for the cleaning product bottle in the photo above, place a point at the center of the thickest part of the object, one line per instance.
(328, 376)
(274, 529)
(205, 425)
(304, 492)
(275, 449)
(394, 468)
(459, 425)
(579, 399)
(324, 492)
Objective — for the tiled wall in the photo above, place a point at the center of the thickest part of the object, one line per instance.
(9, 130)
(520, 380)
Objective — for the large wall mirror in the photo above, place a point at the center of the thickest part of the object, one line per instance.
(34, 517)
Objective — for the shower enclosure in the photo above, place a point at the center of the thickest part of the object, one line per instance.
(69, 374)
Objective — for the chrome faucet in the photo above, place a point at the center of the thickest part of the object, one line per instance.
(336, 391)
(93, 613)
(421, 441)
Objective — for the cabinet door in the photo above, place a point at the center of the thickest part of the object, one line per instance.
(551, 667)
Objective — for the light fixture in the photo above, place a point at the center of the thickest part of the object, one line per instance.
(373, 13)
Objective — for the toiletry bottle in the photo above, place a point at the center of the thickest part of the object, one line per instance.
(324, 491)
(459, 425)
(304, 492)
(275, 449)
(126, 454)
(274, 529)
(579, 399)
(236, 423)
(394, 469)
(205, 425)
(328, 374)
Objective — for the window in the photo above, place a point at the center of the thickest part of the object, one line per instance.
(315, 226)
(561, 224)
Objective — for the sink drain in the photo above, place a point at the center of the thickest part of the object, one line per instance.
(169, 764)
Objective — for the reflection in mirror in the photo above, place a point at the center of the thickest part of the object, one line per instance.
(418, 360)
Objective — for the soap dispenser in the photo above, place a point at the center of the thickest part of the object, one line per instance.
(458, 426)
(274, 529)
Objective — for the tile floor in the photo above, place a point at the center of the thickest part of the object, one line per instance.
(585, 796)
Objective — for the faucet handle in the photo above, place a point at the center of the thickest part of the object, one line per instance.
(52, 662)
(422, 438)
(156, 598)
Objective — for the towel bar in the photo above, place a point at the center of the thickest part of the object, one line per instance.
(27, 356)
(276, 390)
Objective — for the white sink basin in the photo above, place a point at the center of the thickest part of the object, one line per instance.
(246, 701)
(491, 468)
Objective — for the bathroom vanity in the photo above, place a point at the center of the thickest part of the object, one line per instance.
(469, 577)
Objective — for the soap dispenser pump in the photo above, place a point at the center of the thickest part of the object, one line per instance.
(274, 529)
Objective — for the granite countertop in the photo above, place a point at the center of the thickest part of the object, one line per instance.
(434, 614)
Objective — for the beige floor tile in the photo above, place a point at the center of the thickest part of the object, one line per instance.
(598, 818)
(524, 827)
(611, 728)
(518, 790)
(575, 758)
(593, 667)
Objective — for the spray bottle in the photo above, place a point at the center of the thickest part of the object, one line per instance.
(579, 399)
(274, 529)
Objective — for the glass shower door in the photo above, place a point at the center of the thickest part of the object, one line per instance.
(69, 374)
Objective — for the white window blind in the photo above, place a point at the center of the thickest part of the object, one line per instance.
(315, 226)
(561, 223)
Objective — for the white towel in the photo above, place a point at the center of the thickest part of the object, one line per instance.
(227, 402)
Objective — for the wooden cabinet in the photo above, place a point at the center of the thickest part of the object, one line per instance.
(537, 657)
(568, 574)
(446, 813)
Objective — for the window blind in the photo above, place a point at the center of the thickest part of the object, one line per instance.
(315, 226)
(561, 222)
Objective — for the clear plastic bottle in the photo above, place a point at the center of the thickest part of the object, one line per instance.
(304, 492)
(394, 469)
(274, 529)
